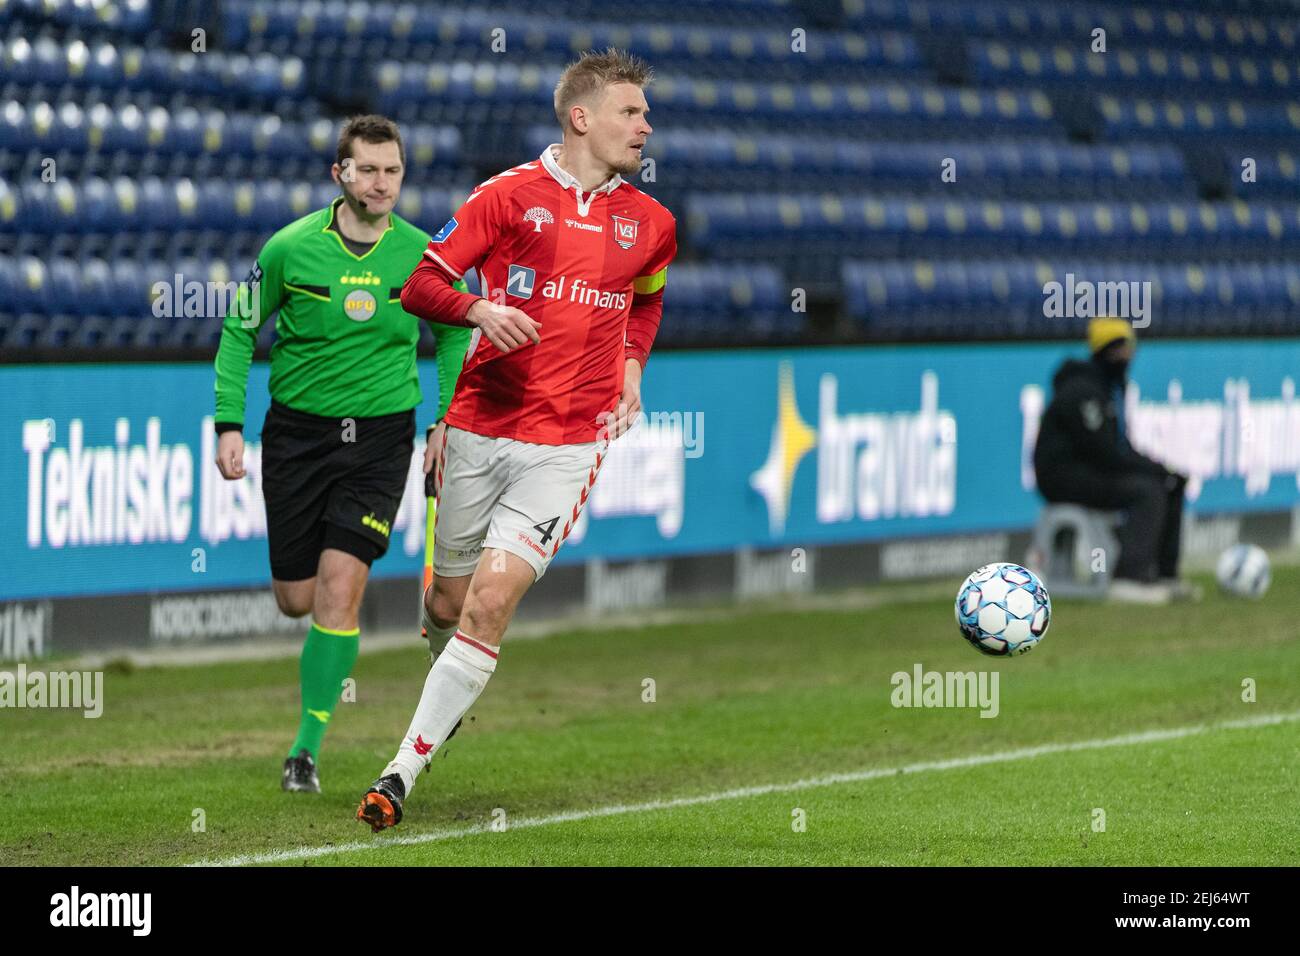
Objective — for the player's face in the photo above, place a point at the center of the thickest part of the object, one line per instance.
(376, 177)
(619, 128)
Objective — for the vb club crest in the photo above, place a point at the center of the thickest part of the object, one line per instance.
(624, 231)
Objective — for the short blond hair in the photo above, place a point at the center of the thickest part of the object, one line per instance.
(592, 73)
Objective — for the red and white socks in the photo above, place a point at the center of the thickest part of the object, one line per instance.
(455, 681)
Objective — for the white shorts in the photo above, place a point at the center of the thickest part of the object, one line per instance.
(508, 494)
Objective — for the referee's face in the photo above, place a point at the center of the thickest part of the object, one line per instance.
(375, 178)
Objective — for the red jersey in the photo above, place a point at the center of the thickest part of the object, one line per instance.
(582, 266)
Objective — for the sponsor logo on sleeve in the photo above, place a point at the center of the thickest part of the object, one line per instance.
(445, 232)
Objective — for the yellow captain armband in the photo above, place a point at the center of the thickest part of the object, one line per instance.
(647, 285)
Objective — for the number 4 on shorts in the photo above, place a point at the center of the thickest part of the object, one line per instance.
(547, 529)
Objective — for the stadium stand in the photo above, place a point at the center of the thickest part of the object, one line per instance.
(920, 168)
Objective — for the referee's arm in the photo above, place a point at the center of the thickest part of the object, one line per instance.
(452, 344)
(257, 300)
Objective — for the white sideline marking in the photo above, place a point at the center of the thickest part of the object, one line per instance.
(1005, 756)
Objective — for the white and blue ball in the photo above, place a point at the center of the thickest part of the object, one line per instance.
(1244, 571)
(1003, 609)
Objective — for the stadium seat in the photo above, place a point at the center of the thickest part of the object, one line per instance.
(1194, 72)
(817, 169)
(955, 299)
(1276, 173)
(811, 234)
(439, 92)
(104, 65)
(1140, 24)
(1198, 120)
(1030, 169)
(701, 50)
(727, 302)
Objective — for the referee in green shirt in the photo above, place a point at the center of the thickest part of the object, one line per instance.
(338, 438)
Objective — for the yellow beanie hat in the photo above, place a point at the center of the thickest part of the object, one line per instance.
(1103, 331)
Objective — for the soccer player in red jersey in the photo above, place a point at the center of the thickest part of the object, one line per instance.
(572, 262)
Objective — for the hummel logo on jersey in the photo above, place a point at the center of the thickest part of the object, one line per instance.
(519, 282)
(538, 215)
(445, 232)
(624, 231)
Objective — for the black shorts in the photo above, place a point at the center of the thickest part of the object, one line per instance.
(331, 483)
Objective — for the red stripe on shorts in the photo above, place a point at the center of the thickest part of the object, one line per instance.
(582, 499)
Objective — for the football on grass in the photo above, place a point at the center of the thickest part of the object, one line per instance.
(1243, 571)
(1003, 609)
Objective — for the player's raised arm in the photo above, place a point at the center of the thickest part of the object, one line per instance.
(434, 290)
(430, 294)
(463, 244)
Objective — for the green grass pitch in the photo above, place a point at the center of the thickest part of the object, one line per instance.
(563, 749)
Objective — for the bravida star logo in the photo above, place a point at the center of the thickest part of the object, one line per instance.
(792, 438)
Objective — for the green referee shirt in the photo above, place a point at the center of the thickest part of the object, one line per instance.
(345, 346)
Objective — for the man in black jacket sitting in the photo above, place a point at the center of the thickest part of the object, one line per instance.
(1083, 457)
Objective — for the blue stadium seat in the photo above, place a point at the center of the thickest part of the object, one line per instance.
(26, 331)
(1276, 173)
(121, 332)
(727, 302)
(262, 79)
(441, 93)
(779, 165)
(1198, 120)
(1030, 169)
(110, 141)
(57, 332)
(164, 211)
(147, 332)
(809, 235)
(133, 17)
(1141, 24)
(956, 299)
(89, 332)
(438, 35)
(1152, 70)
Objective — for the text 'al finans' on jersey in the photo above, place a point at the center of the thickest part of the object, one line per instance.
(521, 280)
